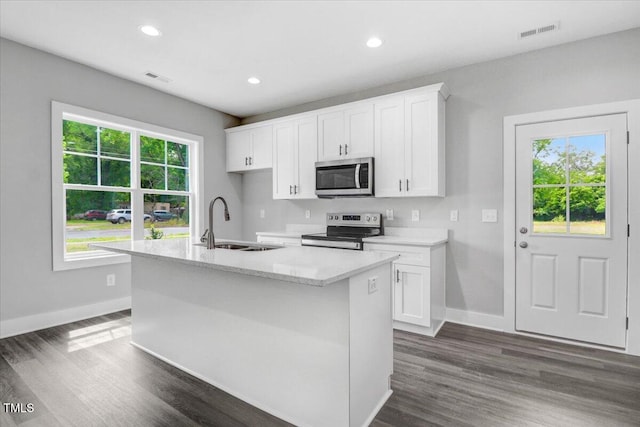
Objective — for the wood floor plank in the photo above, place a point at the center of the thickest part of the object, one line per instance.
(86, 373)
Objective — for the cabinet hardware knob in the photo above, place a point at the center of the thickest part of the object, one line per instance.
(291, 189)
(407, 185)
(345, 149)
(397, 275)
(295, 189)
(250, 160)
(341, 149)
(246, 161)
(400, 185)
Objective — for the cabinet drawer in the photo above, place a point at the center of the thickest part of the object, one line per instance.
(413, 255)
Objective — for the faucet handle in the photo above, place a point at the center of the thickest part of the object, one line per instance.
(204, 236)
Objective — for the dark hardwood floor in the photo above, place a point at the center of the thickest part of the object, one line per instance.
(87, 374)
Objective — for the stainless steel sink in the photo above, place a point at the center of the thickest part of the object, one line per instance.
(241, 247)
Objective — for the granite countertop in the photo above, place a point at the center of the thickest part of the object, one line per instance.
(304, 265)
(411, 236)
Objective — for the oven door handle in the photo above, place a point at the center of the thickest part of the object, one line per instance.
(358, 175)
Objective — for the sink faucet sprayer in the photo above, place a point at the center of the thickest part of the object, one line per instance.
(207, 236)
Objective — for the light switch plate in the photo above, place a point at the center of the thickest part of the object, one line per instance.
(489, 215)
(307, 214)
(261, 213)
(415, 215)
(453, 216)
(389, 215)
(373, 284)
(111, 279)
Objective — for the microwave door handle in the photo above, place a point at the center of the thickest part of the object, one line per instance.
(358, 175)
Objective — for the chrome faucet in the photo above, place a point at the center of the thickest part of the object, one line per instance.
(208, 236)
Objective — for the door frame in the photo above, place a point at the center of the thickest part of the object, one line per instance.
(632, 109)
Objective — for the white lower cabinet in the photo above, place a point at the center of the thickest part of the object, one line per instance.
(418, 286)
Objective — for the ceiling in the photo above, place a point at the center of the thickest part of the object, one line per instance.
(301, 50)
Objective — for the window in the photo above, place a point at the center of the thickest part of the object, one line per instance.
(570, 185)
(115, 179)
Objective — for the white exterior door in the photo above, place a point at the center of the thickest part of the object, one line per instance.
(571, 228)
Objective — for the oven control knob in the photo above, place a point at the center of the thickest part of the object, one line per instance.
(368, 218)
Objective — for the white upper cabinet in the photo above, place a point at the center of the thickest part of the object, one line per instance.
(294, 157)
(409, 144)
(249, 149)
(346, 133)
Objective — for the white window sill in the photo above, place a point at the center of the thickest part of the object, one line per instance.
(89, 259)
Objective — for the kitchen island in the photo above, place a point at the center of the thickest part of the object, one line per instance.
(303, 333)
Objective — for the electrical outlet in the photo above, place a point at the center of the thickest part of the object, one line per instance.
(307, 214)
(111, 279)
(453, 216)
(373, 284)
(389, 215)
(261, 213)
(489, 215)
(415, 215)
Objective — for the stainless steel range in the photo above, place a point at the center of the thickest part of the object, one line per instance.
(346, 231)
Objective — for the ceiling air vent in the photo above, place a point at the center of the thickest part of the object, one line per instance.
(540, 30)
(157, 77)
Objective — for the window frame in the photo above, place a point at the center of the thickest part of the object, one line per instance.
(60, 112)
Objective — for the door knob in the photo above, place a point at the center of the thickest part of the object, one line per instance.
(524, 230)
(523, 244)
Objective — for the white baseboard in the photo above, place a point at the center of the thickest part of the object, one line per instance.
(35, 322)
(472, 318)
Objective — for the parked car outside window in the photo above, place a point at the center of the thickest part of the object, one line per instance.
(161, 215)
(121, 216)
(94, 214)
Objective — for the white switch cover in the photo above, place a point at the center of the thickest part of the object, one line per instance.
(307, 214)
(111, 279)
(489, 215)
(261, 213)
(415, 215)
(373, 285)
(389, 215)
(453, 216)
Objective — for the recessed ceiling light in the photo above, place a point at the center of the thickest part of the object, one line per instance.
(374, 42)
(150, 30)
(253, 80)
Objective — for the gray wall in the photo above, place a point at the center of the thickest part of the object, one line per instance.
(597, 70)
(29, 81)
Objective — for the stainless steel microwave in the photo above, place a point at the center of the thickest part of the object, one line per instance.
(345, 178)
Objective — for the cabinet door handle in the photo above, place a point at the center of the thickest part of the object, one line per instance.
(291, 189)
(246, 161)
(345, 149)
(400, 185)
(341, 149)
(407, 185)
(250, 160)
(397, 275)
(295, 189)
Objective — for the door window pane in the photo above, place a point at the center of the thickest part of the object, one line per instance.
(549, 161)
(587, 210)
(93, 216)
(549, 210)
(587, 159)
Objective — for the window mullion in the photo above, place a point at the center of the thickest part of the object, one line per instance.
(99, 161)
(137, 196)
